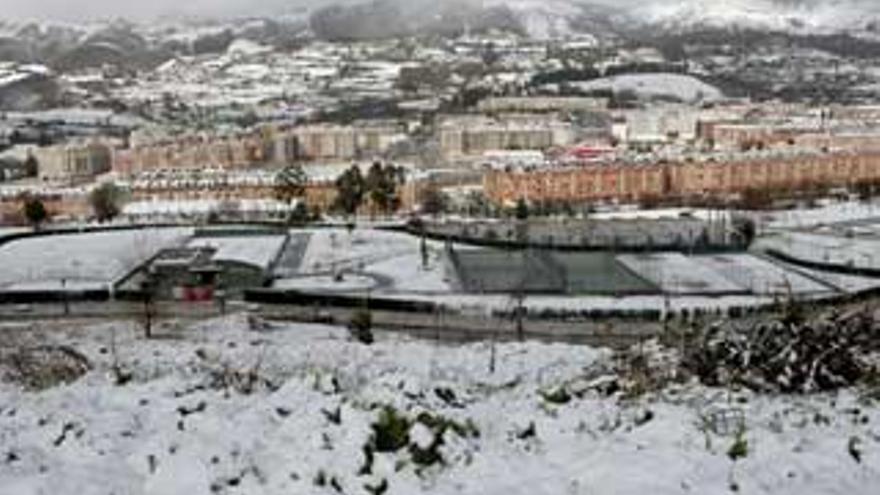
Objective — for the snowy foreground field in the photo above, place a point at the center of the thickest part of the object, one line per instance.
(229, 406)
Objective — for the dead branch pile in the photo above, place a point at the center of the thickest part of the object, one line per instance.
(642, 369)
(788, 355)
(42, 367)
(222, 375)
(242, 381)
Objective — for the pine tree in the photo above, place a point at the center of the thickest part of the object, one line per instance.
(290, 183)
(424, 250)
(350, 188)
(381, 185)
(34, 211)
(434, 201)
(31, 166)
(522, 209)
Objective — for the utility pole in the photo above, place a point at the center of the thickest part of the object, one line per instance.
(64, 296)
(666, 312)
(492, 356)
(438, 322)
(520, 296)
(148, 296)
(520, 312)
(492, 352)
(220, 297)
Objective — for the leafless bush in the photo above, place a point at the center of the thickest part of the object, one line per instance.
(642, 369)
(223, 375)
(788, 354)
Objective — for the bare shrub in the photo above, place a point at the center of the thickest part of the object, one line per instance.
(789, 354)
(43, 367)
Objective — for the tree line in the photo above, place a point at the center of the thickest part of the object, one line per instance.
(378, 189)
(105, 200)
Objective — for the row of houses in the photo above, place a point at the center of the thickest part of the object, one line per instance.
(531, 127)
(626, 182)
(265, 146)
(271, 147)
(460, 137)
(160, 191)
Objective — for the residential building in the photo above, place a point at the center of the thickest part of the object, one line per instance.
(474, 136)
(714, 177)
(541, 104)
(73, 162)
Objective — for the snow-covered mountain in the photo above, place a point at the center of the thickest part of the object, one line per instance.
(544, 19)
(547, 18)
(73, 46)
(797, 16)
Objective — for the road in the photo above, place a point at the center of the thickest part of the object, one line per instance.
(447, 327)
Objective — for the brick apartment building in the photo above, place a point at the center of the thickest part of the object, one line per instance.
(473, 136)
(639, 182)
(73, 162)
(268, 146)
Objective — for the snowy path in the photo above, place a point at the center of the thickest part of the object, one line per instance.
(291, 259)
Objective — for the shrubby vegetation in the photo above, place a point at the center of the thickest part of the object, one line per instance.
(106, 201)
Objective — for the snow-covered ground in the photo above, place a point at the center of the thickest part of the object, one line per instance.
(394, 257)
(846, 283)
(828, 213)
(341, 249)
(91, 260)
(683, 87)
(760, 276)
(176, 429)
(677, 273)
(409, 274)
(327, 283)
(826, 249)
(392, 265)
(634, 212)
(259, 251)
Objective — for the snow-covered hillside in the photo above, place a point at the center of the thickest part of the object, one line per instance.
(322, 414)
(798, 16)
(681, 87)
(801, 16)
(544, 19)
